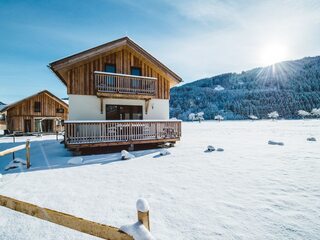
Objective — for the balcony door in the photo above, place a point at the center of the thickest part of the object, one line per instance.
(135, 71)
(111, 80)
(123, 112)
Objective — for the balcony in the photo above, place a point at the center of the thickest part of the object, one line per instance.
(80, 134)
(123, 85)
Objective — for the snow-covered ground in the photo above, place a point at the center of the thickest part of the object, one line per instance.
(251, 190)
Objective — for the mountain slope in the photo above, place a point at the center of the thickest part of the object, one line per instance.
(285, 87)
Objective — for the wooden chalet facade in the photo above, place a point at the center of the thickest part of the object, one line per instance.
(118, 95)
(41, 112)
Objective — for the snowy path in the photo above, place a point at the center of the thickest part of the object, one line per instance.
(252, 190)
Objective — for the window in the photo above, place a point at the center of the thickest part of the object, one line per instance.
(110, 68)
(37, 106)
(135, 83)
(136, 71)
(123, 112)
(59, 110)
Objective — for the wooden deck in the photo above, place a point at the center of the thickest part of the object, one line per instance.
(82, 134)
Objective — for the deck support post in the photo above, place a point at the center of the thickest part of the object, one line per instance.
(143, 213)
(131, 147)
(101, 105)
(28, 153)
(147, 103)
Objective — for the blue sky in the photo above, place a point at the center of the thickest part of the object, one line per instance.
(196, 39)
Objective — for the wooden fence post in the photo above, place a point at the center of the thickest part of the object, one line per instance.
(143, 212)
(28, 153)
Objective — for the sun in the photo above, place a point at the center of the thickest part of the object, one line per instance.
(273, 53)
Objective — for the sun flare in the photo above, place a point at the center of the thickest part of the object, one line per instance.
(273, 53)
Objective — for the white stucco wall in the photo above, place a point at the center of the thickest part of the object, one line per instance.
(82, 107)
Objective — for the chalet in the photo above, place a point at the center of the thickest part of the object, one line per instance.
(41, 112)
(3, 125)
(118, 95)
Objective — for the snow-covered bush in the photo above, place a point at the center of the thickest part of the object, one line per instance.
(303, 113)
(315, 112)
(196, 116)
(192, 117)
(218, 118)
(253, 117)
(273, 115)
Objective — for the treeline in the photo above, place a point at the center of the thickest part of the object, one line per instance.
(284, 87)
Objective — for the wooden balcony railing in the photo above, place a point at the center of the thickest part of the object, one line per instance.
(123, 83)
(121, 132)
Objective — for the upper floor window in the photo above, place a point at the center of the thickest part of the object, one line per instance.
(136, 71)
(37, 106)
(110, 68)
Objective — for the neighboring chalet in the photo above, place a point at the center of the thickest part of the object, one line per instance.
(118, 95)
(2, 117)
(41, 112)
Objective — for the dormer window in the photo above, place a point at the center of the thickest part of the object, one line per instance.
(37, 106)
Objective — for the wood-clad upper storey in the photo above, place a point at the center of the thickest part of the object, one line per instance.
(77, 72)
(43, 105)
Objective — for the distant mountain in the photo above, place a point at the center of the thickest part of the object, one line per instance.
(1, 103)
(285, 87)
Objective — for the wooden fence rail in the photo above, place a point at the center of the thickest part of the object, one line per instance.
(18, 148)
(79, 224)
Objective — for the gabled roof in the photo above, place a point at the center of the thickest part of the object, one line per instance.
(7, 107)
(125, 41)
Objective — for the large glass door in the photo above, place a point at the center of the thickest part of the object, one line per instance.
(123, 112)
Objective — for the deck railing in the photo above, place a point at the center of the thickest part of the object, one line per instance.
(123, 83)
(86, 132)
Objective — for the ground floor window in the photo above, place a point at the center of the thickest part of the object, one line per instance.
(45, 125)
(123, 112)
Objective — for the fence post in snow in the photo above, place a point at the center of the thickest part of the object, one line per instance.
(143, 212)
(28, 153)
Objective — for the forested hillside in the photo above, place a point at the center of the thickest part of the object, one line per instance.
(285, 87)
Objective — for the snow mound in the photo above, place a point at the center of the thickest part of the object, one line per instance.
(220, 149)
(75, 161)
(270, 142)
(20, 160)
(137, 231)
(125, 155)
(311, 139)
(13, 165)
(219, 88)
(164, 152)
(142, 205)
(210, 148)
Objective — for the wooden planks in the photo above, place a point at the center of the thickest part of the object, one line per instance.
(66, 220)
(81, 75)
(112, 133)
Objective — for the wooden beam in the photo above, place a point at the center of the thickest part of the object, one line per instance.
(147, 103)
(66, 220)
(105, 144)
(11, 150)
(101, 105)
(123, 95)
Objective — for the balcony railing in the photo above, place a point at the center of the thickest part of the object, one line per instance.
(121, 132)
(125, 84)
